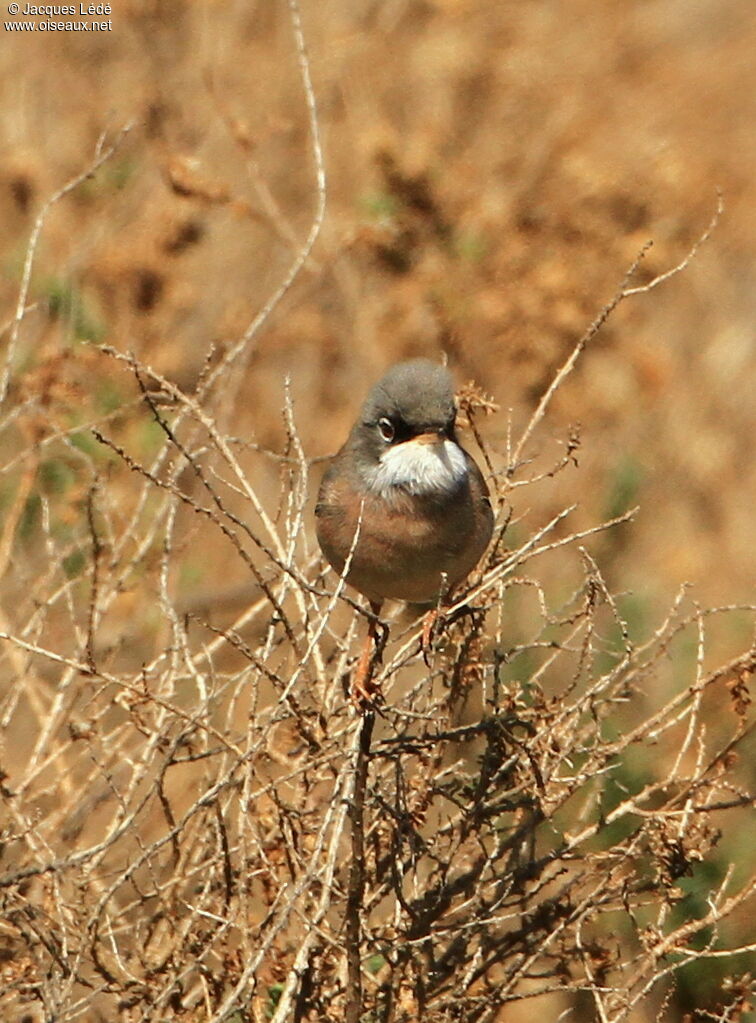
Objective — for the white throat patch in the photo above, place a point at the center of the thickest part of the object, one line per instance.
(419, 468)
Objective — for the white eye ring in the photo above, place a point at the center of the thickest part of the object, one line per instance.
(387, 429)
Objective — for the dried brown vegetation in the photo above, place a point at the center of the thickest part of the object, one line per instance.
(552, 815)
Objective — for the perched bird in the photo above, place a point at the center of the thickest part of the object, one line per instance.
(402, 501)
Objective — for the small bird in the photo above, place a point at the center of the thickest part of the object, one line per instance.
(402, 501)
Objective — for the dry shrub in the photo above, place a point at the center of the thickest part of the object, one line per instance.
(199, 825)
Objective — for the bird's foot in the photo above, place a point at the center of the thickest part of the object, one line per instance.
(366, 695)
(365, 690)
(433, 622)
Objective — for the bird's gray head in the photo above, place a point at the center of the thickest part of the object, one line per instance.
(416, 396)
(404, 437)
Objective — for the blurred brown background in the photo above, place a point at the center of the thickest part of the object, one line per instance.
(492, 170)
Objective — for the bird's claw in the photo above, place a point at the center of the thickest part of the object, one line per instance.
(365, 690)
(432, 624)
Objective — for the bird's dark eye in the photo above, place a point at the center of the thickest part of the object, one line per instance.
(387, 429)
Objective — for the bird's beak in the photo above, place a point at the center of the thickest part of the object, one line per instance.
(431, 437)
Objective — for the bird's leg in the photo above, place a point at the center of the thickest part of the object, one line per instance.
(430, 622)
(439, 618)
(435, 620)
(364, 690)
